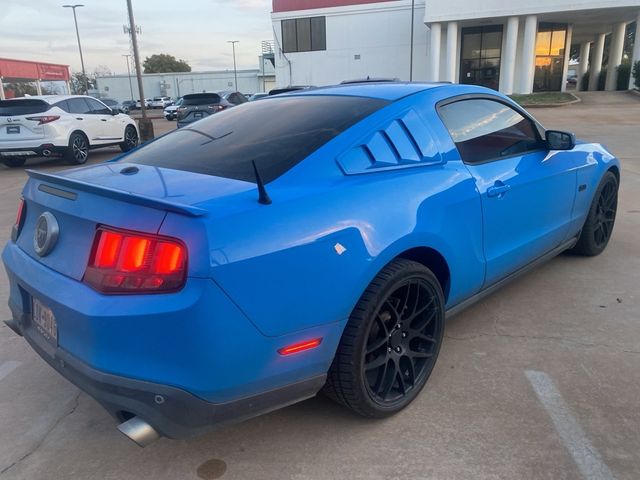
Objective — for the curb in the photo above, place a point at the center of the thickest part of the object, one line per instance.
(634, 92)
(576, 99)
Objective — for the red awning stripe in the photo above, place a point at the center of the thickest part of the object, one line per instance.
(291, 5)
(27, 70)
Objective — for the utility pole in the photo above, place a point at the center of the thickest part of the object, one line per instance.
(145, 123)
(129, 75)
(235, 71)
(413, 6)
(75, 20)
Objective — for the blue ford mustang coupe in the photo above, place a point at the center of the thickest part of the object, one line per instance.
(312, 241)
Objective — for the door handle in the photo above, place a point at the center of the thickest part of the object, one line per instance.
(103, 119)
(498, 189)
(79, 118)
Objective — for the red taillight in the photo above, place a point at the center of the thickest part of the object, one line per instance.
(17, 227)
(130, 262)
(216, 108)
(300, 347)
(44, 119)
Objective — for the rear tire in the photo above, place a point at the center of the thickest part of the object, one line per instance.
(78, 150)
(130, 139)
(598, 226)
(14, 162)
(391, 342)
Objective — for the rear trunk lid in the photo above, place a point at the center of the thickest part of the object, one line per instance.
(14, 120)
(138, 199)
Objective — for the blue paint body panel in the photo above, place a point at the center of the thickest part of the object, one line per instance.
(262, 277)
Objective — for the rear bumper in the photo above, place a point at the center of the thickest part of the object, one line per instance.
(41, 150)
(194, 348)
(173, 412)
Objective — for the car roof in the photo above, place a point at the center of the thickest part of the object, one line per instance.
(382, 90)
(51, 99)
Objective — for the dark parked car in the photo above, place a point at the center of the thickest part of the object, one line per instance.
(196, 106)
(115, 105)
(129, 105)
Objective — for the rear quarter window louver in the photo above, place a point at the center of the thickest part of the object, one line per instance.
(404, 142)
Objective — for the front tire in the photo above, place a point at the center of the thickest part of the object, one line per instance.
(130, 139)
(391, 342)
(78, 150)
(598, 226)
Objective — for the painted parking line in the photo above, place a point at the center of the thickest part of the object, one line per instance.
(7, 367)
(584, 454)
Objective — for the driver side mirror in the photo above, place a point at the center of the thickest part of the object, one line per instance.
(558, 140)
(114, 112)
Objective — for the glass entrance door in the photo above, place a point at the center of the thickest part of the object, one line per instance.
(480, 58)
(550, 52)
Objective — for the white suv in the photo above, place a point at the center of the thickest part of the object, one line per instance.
(66, 126)
(160, 102)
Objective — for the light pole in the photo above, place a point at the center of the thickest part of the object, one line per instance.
(413, 6)
(235, 71)
(145, 123)
(75, 19)
(129, 74)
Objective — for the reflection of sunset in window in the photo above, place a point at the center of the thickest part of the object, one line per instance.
(543, 41)
(557, 42)
(543, 61)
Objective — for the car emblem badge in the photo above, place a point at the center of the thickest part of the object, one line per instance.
(46, 234)
(9, 120)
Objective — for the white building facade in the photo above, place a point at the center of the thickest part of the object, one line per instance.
(508, 46)
(125, 87)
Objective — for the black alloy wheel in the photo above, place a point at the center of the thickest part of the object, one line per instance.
(391, 342)
(402, 342)
(601, 218)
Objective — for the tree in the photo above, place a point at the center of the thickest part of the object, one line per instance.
(102, 71)
(164, 63)
(78, 84)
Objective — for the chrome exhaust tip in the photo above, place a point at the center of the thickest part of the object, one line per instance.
(139, 431)
(46, 153)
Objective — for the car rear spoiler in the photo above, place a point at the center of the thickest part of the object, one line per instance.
(116, 194)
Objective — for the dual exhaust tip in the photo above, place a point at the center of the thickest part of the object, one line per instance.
(139, 431)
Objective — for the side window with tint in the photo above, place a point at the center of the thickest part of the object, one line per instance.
(78, 105)
(97, 107)
(485, 130)
(63, 105)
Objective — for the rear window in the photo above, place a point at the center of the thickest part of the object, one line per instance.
(202, 99)
(277, 133)
(22, 107)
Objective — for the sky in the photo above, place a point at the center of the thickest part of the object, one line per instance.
(193, 30)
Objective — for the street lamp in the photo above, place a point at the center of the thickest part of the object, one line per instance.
(235, 71)
(413, 10)
(75, 19)
(129, 75)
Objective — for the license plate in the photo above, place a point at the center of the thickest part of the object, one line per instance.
(13, 129)
(198, 114)
(44, 321)
(17, 154)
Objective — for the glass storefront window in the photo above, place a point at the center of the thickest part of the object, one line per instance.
(481, 51)
(550, 52)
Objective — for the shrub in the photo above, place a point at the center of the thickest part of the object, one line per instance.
(624, 71)
(636, 74)
(584, 82)
(602, 78)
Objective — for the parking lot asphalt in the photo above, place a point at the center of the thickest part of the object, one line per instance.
(540, 380)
